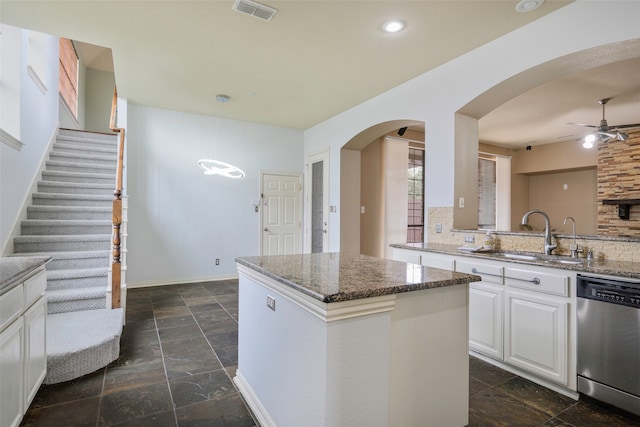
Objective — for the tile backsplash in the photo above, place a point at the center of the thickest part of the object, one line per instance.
(612, 248)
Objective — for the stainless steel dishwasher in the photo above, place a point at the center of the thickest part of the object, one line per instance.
(609, 340)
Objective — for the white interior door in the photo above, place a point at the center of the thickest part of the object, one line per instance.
(281, 217)
(317, 202)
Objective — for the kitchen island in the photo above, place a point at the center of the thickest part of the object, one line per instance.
(334, 339)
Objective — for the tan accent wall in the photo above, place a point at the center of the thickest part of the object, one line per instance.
(619, 178)
(371, 198)
(350, 201)
(563, 194)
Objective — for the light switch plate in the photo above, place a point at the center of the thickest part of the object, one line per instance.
(271, 302)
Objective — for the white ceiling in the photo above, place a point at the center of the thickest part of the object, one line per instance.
(313, 60)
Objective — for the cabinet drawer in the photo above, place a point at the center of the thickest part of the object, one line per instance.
(11, 305)
(490, 273)
(437, 261)
(555, 284)
(34, 287)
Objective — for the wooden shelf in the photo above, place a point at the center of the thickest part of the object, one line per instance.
(624, 206)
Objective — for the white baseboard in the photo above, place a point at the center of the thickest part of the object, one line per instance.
(179, 281)
(252, 400)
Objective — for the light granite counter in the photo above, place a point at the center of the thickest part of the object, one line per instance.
(335, 339)
(596, 266)
(334, 277)
(14, 269)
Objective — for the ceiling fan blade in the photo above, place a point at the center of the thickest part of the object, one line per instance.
(631, 125)
(582, 124)
(621, 136)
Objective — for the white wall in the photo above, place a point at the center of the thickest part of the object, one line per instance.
(180, 220)
(98, 89)
(435, 96)
(38, 105)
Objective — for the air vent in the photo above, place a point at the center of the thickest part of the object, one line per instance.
(254, 9)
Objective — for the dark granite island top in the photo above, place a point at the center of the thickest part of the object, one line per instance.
(335, 339)
(334, 277)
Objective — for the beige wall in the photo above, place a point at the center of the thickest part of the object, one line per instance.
(466, 166)
(350, 201)
(396, 200)
(371, 198)
(578, 200)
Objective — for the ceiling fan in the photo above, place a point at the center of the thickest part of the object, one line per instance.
(604, 132)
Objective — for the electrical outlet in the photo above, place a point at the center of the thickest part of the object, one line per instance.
(217, 261)
(469, 239)
(271, 302)
(461, 202)
(438, 228)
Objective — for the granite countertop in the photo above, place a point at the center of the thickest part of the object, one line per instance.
(334, 277)
(14, 269)
(597, 266)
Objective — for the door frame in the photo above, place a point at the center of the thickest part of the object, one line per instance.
(322, 155)
(299, 203)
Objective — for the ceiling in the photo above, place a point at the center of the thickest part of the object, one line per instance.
(541, 115)
(313, 60)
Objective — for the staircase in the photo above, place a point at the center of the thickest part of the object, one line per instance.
(70, 220)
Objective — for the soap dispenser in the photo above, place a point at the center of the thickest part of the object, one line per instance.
(488, 242)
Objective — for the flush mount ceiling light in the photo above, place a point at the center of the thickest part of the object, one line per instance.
(215, 167)
(393, 26)
(528, 5)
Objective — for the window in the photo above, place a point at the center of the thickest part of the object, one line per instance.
(69, 75)
(415, 217)
(487, 192)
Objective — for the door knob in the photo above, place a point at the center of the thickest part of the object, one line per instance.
(266, 229)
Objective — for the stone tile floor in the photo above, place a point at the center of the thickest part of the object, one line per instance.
(179, 354)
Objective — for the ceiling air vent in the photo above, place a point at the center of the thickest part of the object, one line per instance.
(254, 9)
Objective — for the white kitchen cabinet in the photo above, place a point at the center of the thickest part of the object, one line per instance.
(486, 302)
(23, 355)
(11, 374)
(35, 351)
(428, 259)
(536, 334)
(537, 307)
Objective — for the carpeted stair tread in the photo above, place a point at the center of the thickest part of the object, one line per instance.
(81, 147)
(69, 176)
(84, 157)
(76, 294)
(69, 255)
(48, 227)
(68, 212)
(62, 187)
(40, 199)
(65, 238)
(58, 165)
(77, 273)
(81, 342)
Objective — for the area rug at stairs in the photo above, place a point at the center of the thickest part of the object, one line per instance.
(69, 220)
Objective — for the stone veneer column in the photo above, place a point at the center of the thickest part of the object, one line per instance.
(619, 178)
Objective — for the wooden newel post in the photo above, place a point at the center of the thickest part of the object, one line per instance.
(116, 268)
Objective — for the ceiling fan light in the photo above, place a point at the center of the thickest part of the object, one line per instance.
(589, 140)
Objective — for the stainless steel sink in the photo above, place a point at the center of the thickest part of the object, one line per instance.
(547, 259)
(565, 261)
(519, 256)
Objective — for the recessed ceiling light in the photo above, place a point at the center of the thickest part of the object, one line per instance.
(528, 5)
(393, 26)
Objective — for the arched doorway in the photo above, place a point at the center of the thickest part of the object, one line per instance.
(373, 186)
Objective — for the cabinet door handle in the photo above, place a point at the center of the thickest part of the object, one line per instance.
(535, 280)
(475, 271)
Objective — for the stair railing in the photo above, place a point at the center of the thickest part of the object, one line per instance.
(116, 267)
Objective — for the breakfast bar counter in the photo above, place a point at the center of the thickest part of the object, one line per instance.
(334, 339)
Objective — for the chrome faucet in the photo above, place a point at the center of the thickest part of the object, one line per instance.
(574, 248)
(548, 246)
